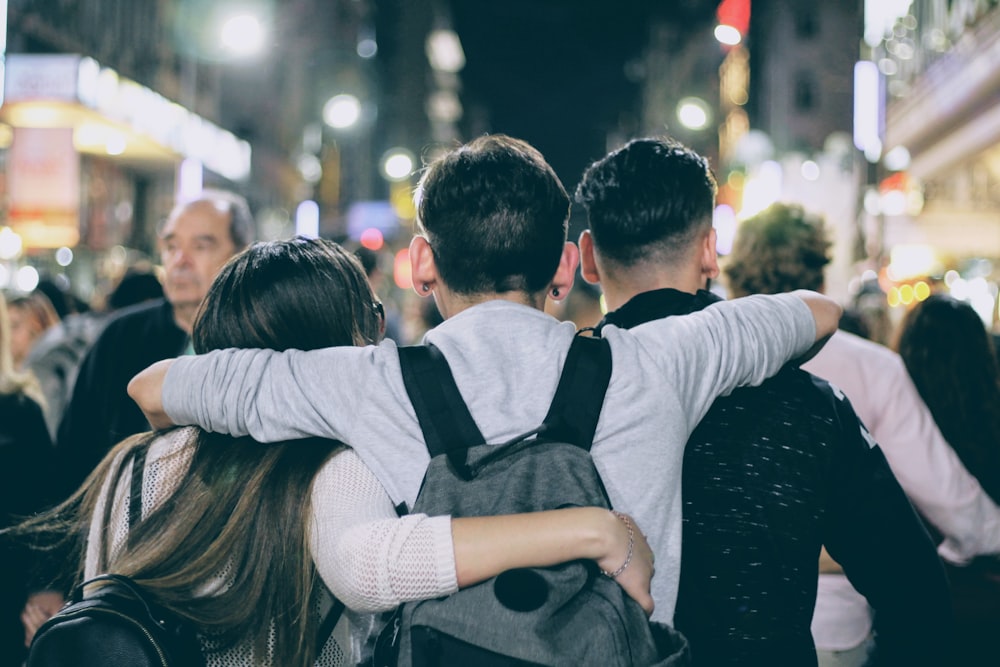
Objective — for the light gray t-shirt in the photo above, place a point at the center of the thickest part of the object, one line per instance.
(506, 359)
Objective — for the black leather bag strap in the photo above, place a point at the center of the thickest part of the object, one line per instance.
(576, 407)
(447, 425)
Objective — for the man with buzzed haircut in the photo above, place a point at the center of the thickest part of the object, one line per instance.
(772, 472)
(198, 237)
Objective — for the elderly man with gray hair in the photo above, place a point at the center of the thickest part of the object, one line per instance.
(196, 240)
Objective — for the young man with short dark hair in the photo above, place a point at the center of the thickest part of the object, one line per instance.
(772, 472)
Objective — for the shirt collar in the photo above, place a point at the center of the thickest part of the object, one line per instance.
(656, 304)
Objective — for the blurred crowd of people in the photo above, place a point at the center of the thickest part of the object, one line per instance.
(929, 403)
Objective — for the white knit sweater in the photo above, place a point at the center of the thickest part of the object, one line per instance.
(367, 556)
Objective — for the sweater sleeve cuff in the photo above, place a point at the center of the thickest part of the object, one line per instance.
(447, 575)
(803, 322)
(176, 388)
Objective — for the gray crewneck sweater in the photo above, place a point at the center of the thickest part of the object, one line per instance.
(506, 359)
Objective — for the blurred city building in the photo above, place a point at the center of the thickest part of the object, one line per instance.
(318, 111)
(880, 115)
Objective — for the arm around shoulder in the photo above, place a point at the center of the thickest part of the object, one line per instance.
(146, 389)
(825, 311)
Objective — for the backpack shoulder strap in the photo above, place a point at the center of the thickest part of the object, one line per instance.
(444, 418)
(135, 489)
(576, 407)
(327, 625)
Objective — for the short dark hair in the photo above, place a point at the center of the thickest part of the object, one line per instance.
(647, 199)
(300, 293)
(781, 249)
(495, 215)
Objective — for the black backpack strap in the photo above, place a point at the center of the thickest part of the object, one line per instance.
(327, 625)
(444, 418)
(135, 492)
(576, 407)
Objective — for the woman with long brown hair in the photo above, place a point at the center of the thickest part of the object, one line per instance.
(950, 356)
(244, 538)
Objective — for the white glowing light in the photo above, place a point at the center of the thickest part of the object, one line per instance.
(898, 159)
(310, 168)
(243, 34)
(728, 35)
(10, 243)
(444, 51)
(912, 260)
(115, 143)
(867, 109)
(367, 48)
(64, 256)
(724, 222)
(398, 164)
(307, 219)
(809, 170)
(342, 111)
(26, 278)
(693, 113)
(762, 189)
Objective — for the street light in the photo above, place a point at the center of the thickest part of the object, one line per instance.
(397, 165)
(728, 35)
(693, 113)
(242, 34)
(342, 111)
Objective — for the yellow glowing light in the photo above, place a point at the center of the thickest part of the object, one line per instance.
(906, 294)
(893, 297)
(921, 290)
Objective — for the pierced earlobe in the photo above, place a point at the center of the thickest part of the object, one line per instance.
(425, 287)
(555, 292)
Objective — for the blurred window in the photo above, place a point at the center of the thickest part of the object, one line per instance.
(806, 23)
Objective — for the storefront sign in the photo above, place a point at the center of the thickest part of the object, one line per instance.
(43, 177)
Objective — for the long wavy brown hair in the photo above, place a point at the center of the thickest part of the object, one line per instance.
(243, 507)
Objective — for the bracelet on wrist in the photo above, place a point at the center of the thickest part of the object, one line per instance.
(631, 546)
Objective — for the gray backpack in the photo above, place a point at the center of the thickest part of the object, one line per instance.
(564, 615)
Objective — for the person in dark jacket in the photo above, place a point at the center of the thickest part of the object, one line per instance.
(196, 240)
(772, 473)
(25, 487)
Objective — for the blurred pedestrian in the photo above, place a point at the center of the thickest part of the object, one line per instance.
(26, 486)
(784, 248)
(56, 357)
(950, 356)
(772, 472)
(30, 316)
(198, 237)
(372, 260)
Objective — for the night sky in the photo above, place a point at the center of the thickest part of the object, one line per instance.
(557, 73)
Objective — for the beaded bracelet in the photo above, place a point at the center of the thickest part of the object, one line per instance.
(631, 545)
